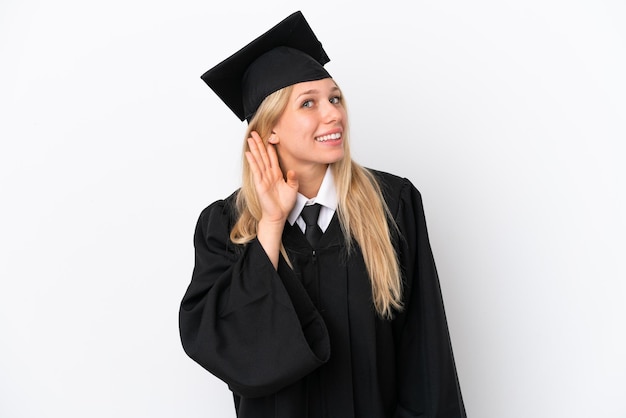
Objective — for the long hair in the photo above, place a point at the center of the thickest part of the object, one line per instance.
(362, 211)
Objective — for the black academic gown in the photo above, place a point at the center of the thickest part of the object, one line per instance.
(306, 342)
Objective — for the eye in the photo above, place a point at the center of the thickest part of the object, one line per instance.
(335, 100)
(307, 103)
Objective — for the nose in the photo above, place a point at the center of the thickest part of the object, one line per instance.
(331, 112)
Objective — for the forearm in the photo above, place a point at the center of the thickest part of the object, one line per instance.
(269, 234)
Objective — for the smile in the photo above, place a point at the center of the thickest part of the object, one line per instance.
(330, 137)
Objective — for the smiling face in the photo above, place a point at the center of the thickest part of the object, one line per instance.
(309, 134)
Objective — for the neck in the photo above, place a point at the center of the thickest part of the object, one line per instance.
(310, 180)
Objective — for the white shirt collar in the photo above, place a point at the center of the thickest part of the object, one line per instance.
(326, 196)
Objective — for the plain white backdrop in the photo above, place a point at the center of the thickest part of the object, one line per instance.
(509, 116)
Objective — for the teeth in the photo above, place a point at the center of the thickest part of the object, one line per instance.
(328, 137)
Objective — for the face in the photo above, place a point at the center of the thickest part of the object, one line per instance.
(309, 133)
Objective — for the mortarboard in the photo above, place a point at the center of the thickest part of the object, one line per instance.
(287, 54)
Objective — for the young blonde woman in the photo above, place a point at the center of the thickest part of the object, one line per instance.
(314, 292)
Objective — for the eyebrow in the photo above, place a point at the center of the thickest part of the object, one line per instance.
(315, 91)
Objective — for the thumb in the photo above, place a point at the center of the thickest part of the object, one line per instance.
(292, 179)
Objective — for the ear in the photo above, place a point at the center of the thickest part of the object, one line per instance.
(273, 139)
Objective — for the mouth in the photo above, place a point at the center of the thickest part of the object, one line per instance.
(329, 137)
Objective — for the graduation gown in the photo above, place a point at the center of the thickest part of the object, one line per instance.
(306, 342)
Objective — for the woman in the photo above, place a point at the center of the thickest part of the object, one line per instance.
(340, 315)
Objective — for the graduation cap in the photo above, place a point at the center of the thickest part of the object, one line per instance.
(287, 54)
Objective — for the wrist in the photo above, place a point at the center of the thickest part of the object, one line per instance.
(271, 224)
(269, 235)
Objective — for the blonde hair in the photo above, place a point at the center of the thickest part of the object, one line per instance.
(362, 211)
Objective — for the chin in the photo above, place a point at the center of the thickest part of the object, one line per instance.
(336, 157)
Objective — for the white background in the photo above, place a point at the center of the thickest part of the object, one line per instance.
(509, 116)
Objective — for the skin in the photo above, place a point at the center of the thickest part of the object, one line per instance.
(295, 160)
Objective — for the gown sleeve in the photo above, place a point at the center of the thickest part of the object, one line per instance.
(428, 385)
(252, 326)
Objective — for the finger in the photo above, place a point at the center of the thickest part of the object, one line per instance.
(262, 149)
(292, 179)
(273, 160)
(256, 172)
(256, 154)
